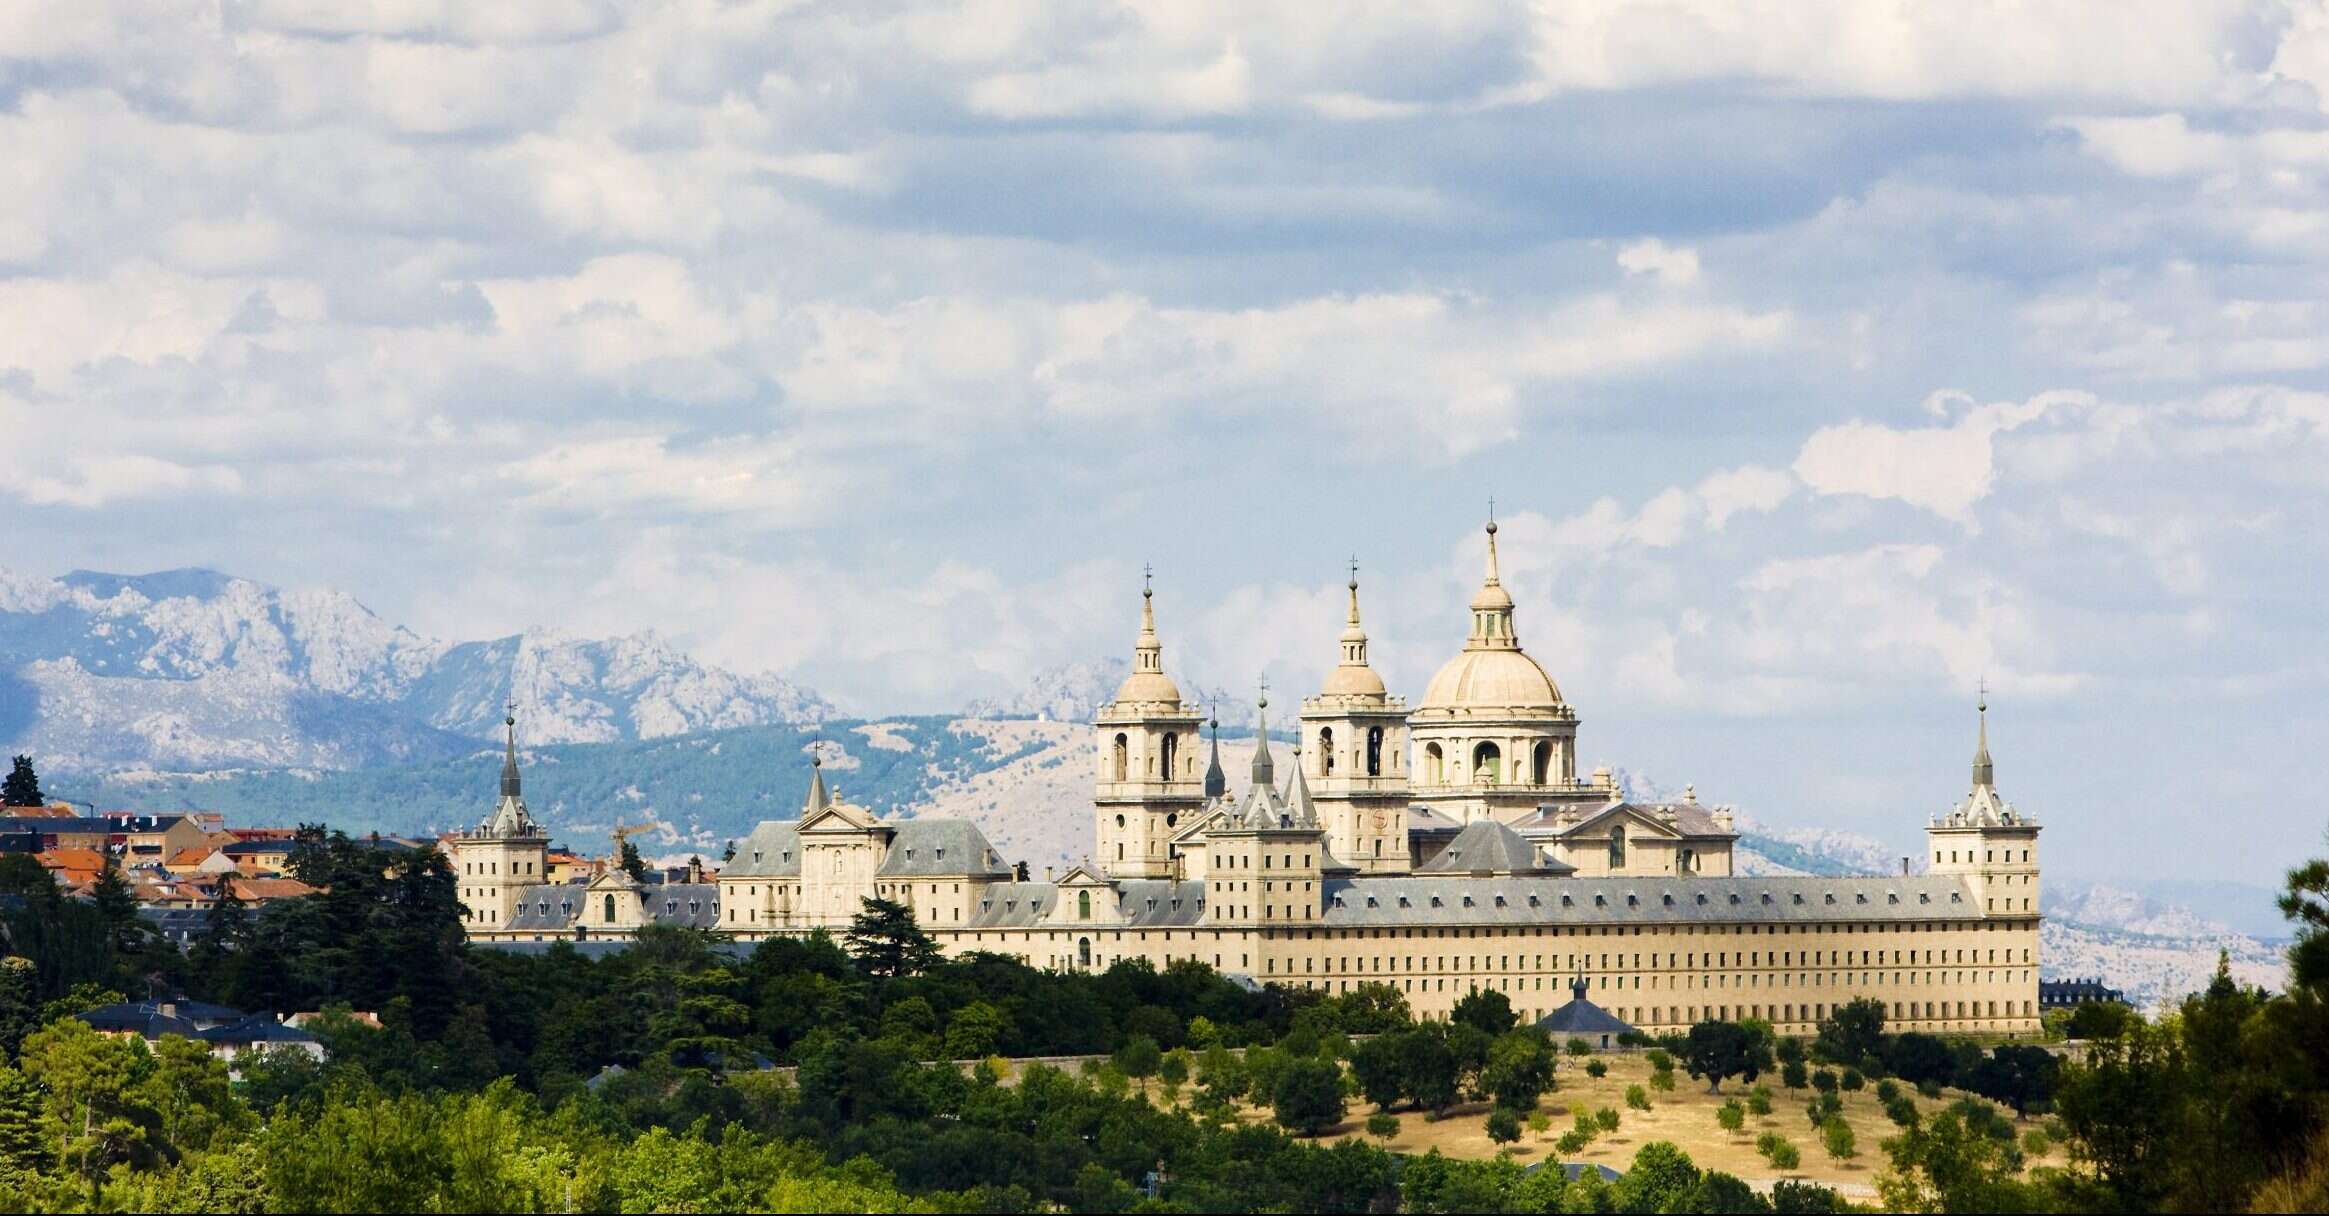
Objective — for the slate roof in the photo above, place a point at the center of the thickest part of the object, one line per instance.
(940, 847)
(1581, 1017)
(555, 908)
(1690, 818)
(773, 850)
(1489, 846)
(1532, 899)
(1012, 904)
(259, 1028)
(58, 826)
(1428, 821)
(147, 1020)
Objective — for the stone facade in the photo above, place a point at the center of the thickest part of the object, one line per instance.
(1440, 850)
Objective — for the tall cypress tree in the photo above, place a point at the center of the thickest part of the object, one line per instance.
(22, 788)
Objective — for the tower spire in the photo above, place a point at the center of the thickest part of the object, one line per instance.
(1264, 771)
(1984, 773)
(1492, 608)
(1147, 652)
(1216, 780)
(818, 799)
(510, 785)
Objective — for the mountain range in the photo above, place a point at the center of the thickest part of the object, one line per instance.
(197, 671)
(194, 689)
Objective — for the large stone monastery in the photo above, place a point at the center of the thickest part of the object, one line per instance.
(1439, 848)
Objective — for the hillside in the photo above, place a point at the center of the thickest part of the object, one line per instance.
(193, 670)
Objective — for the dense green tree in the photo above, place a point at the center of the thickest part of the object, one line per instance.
(1503, 1125)
(630, 862)
(2098, 1020)
(1139, 1058)
(886, 941)
(2019, 1075)
(95, 1117)
(1307, 1098)
(1661, 1179)
(1718, 1051)
(1790, 1195)
(1943, 1165)
(1836, 1136)
(19, 1003)
(1519, 1069)
(2305, 902)
(22, 786)
(1732, 1116)
(23, 1149)
(1721, 1192)
(1852, 1032)
(1486, 1010)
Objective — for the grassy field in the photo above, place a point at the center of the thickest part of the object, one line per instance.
(1685, 1116)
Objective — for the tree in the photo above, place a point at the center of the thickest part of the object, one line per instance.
(1637, 1098)
(1943, 1165)
(1308, 1096)
(1852, 1033)
(22, 788)
(94, 1117)
(975, 1030)
(1174, 1071)
(1596, 1069)
(1428, 1063)
(22, 1148)
(1605, 1119)
(2098, 1020)
(1383, 1125)
(629, 861)
(1778, 1150)
(2019, 1075)
(1793, 1075)
(1503, 1125)
(1836, 1136)
(1792, 1195)
(2305, 902)
(1824, 1081)
(1721, 1192)
(125, 930)
(1853, 1079)
(1519, 1069)
(1661, 1179)
(1139, 1058)
(1378, 1066)
(1663, 1082)
(1717, 1051)
(1759, 1101)
(886, 941)
(19, 1003)
(1486, 1010)
(1731, 1116)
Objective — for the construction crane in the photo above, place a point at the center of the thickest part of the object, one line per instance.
(622, 833)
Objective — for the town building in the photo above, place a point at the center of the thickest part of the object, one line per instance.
(1439, 849)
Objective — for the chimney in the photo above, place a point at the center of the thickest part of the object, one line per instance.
(169, 1009)
(1047, 873)
(1904, 867)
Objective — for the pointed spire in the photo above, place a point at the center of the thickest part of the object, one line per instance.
(1264, 771)
(1216, 780)
(509, 756)
(1492, 608)
(1299, 808)
(1148, 653)
(818, 799)
(1984, 773)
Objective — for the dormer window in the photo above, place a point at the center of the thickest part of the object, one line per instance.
(1767, 897)
(1532, 901)
(1667, 899)
(1467, 901)
(1734, 899)
(788, 854)
(1371, 901)
(1798, 897)
(1830, 897)
(909, 854)
(1702, 901)
(1499, 901)
(1403, 902)
(1435, 902)
(755, 857)
(1567, 902)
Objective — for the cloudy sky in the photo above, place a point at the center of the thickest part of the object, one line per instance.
(1823, 359)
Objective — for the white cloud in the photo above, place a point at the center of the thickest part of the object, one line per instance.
(1675, 265)
(1942, 469)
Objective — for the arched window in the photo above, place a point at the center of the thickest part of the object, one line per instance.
(1325, 750)
(1172, 748)
(1123, 756)
(1084, 912)
(1487, 765)
(1544, 763)
(1617, 847)
(1120, 823)
(1433, 764)
(610, 909)
(1083, 952)
(1374, 751)
(1686, 861)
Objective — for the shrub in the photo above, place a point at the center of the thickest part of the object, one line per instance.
(1538, 1122)
(1596, 1069)
(1824, 1081)
(1929, 1088)
(1382, 1125)
(1579, 1047)
(1731, 1116)
(1792, 1075)
(1663, 1082)
(1660, 1060)
(1571, 1142)
(1853, 1079)
(1637, 1097)
(1759, 1100)
(1901, 1110)
(1605, 1119)
(1503, 1126)
(1886, 1090)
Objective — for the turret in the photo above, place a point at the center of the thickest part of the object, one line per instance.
(1984, 838)
(1354, 737)
(1145, 749)
(505, 853)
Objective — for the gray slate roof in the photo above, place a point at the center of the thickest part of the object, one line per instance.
(1690, 818)
(1392, 900)
(1487, 845)
(554, 909)
(773, 850)
(940, 847)
(1146, 903)
(1581, 1016)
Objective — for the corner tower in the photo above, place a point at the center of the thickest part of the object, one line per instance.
(1988, 841)
(1493, 736)
(1145, 753)
(1355, 754)
(508, 852)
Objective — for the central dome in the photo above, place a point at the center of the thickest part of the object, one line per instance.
(1492, 679)
(1148, 687)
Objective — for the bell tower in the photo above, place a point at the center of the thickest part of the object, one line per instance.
(499, 858)
(1988, 841)
(1146, 763)
(1354, 755)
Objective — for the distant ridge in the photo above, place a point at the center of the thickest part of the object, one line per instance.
(195, 670)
